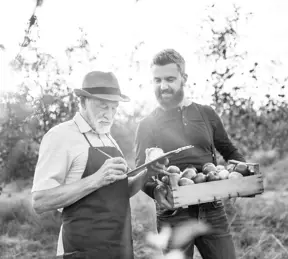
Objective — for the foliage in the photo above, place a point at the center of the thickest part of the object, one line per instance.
(28, 116)
(250, 128)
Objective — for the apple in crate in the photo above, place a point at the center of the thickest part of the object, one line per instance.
(174, 179)
(208, 167)
(235, 175)
(174, 176)
(185, 181)
(213, 176)
(242, 168)
(224, 174)
(219, 168)
(230, 168)
(173, 169)
(189, 173)
(199, 178)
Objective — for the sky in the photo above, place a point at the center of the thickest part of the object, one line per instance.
(120, 25)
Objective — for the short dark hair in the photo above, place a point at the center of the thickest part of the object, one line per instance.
(169, 56)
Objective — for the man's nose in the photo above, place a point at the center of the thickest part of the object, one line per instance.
(164, 85)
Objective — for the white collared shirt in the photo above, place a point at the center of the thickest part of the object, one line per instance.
(63, 156)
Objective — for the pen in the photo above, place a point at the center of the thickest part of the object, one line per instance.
(104, 153)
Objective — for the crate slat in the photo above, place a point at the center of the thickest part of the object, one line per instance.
(210, 191)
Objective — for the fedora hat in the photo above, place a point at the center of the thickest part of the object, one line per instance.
(103, 85)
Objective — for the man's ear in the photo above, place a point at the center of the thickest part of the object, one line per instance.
(185, 77)
(83, 101)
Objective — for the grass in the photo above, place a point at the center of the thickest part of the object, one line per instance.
(259, 225)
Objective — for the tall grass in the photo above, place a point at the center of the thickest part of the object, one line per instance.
(23, 233)
(259, 225)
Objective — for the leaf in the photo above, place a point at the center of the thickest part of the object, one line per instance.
(160, 240)
(48, 99)
(3, 113)
(39, 3)
(21, 110)
(26, 41)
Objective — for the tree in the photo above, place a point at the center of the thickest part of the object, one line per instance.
(250, 128)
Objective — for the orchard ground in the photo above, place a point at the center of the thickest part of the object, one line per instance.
(258, 225)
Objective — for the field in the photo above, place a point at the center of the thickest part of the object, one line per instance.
(259, 225)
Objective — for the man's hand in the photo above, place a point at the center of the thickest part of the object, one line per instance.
(158, 167)
(163, 196)
(114, 169)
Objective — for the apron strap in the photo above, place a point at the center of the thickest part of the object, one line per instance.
(87, 139)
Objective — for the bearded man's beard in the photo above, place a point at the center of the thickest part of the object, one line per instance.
(171, 102)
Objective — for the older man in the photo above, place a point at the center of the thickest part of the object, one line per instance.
(179, 122)
(82, 170)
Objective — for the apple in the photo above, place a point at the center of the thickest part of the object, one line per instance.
(172, 169)
(212, 176)
(209, 168)
(235, 175)
(242, 168)
(206, 164)
(185, 181)
(220, 168)
(193, 167)
(224, 174)
(189, 173)
(199, 178)
(153, 153)
(174, 179)
(165, 179)
(230, 168)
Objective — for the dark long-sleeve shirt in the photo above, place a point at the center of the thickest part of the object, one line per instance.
(176, 128)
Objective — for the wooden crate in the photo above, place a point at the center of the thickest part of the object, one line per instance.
(217, 190)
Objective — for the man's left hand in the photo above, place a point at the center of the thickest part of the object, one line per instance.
(158, 167)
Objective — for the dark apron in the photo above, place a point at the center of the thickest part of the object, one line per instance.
(99, 224)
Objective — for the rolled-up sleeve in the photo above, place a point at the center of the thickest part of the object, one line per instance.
(53, 162)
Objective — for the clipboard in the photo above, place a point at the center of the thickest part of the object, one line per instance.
(165, 155)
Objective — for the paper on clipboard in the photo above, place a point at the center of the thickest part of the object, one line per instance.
(167, 154)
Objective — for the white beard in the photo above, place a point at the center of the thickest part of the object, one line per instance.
(98, 126)
(102, 129)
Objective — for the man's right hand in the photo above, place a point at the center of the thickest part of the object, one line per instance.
(163, 196)
(113, 169)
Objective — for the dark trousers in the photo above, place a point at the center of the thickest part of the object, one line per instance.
(216, 245)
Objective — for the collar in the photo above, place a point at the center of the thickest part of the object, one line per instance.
(185, 103)
(83, 126)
